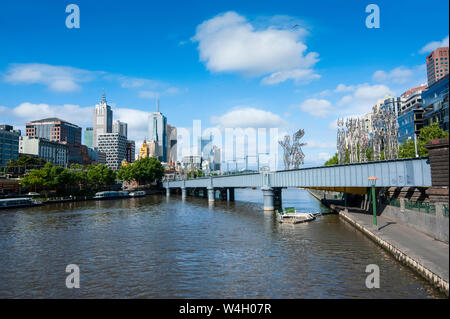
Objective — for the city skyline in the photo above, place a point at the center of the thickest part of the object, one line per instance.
(330, 76)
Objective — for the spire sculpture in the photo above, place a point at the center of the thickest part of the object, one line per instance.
(293, 154)
(354, 138)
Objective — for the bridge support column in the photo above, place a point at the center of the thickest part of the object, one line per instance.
(183, 192)
(167, 191)
(210, 194)
(231, 194)
(277, 198)
(223, 194)
(268, 199)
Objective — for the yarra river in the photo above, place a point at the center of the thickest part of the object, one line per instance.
(154, 247)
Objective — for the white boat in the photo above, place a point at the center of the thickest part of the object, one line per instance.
(137, 194)
(291, 216)
(110, 195)
(18, 202)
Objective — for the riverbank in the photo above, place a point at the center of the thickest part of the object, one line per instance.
(425, 255)
(70, 199)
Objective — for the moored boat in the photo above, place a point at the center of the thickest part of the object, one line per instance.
(137, 194)
(111, 195)
(291, 216)
(18, 202)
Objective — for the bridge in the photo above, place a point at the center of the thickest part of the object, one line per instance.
(349, 178)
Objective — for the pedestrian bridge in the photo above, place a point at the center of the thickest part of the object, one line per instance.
(415, 172)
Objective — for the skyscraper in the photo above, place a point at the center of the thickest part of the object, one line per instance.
(437, 65)
(114, 145)
(120, 127)
(88, 137)
(103, 116)
(157, 131)
(172, 145)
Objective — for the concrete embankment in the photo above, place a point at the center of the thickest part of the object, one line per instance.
(425, 255)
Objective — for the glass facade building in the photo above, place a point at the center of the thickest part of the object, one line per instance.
(410, 114)
(88, 137)
(435, 104)
(157, 130)
(9, 144)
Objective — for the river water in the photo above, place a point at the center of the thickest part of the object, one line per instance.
(154, 247)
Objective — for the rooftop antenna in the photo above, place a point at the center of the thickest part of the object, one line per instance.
(103, 96)
(157, 104)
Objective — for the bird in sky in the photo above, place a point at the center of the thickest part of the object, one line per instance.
(294, 26)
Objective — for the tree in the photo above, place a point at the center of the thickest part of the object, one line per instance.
(144, 171)
(332, 161)
(125, 173)
(428, 133)
(100, 175)
(35, 179)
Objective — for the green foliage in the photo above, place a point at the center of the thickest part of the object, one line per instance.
(144, 171)
(100, 175)
(333, 161)
(64, 180)
(26, 160)
(428, 133)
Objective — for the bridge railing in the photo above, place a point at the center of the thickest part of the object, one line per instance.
(394, 173)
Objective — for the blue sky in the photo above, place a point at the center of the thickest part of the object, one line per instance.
(226, 63)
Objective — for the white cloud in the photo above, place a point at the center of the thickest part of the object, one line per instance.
(229, 43)
(56, 78)
(68, 112)
(155, 94)
(246, 117)
(299, 76)
(398, 75)
(344, 88)
(431, 46)
(137, 122)
(69, 79)
(320, 108)
(148, 94)
(362, 99)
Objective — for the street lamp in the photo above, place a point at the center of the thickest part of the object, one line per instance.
(372, 182)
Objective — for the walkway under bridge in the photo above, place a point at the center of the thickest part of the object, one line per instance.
(349, 178)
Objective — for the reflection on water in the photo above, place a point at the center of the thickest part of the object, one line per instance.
(154, 247)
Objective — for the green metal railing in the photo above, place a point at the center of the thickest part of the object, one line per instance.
(421, 207)
(394, 202)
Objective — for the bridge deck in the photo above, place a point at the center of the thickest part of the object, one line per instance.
(396, 173)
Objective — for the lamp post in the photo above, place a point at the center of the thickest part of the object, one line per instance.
(415, 144)
(372, 182)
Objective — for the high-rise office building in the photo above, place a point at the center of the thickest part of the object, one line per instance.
(54, 152)
(410, 114)
(130, 151)
(120, 127)
(114, 145)
(435, 104)
(216, 158)
(157, 131)
(9, 144)
(57, 130)
(172, 145)
(88, 137)
(437, 65)
(103, 117)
